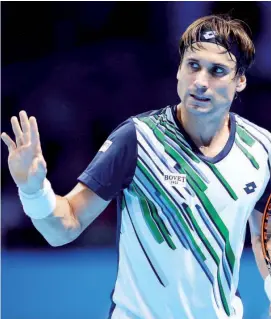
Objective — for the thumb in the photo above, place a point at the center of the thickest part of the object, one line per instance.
(38, 166)
(42, 166)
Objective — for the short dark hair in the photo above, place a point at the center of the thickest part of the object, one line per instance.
(229, 30)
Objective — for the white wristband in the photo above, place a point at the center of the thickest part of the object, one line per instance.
(40, 204)
(267, 286)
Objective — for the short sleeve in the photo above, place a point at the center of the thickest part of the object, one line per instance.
(113, 167)
(260, 205)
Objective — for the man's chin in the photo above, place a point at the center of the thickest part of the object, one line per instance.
(197, 109)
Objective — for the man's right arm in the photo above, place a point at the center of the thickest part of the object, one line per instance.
(62, 219)
(73, 214)
(59, 219)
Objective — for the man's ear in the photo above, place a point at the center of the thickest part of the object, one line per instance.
(178, 76)
(241, 83)
(178, 73)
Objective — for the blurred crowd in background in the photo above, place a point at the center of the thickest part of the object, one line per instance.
(84, 67)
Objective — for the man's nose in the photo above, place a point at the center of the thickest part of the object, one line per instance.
(201, 82)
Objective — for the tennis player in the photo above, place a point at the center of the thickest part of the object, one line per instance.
(187, 178)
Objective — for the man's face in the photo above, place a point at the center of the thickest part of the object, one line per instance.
(206, 79)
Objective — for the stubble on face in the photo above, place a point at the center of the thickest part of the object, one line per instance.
(207, 72)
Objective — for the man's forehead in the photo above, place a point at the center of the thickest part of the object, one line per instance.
(213, 52)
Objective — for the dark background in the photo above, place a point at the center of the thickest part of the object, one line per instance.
(83, 67)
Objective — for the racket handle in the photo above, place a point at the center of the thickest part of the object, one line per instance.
(267, 286)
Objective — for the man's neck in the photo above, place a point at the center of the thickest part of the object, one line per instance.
(209, 133)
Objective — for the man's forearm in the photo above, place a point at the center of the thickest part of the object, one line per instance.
(257, 250)
(60, 227)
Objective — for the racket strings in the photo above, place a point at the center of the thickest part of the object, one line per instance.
(268, 242)
(267, 236)
(266, 233)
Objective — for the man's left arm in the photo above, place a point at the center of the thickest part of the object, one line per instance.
(255, 230)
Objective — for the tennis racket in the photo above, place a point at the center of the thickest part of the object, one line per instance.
(266, 234)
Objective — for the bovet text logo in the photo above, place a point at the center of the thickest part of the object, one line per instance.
(175, 179)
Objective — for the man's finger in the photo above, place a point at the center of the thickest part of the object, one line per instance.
(8, 141)
(35, 136)
(25, 126)
(17, 131)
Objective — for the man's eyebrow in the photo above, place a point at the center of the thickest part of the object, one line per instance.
(213, 63)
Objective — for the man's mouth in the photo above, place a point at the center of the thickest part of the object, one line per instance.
(200, 98)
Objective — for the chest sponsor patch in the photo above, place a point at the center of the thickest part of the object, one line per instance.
(175, 179)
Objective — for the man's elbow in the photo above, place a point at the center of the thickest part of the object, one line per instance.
(57, 243)
(61, 241)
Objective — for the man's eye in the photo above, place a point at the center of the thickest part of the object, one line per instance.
(194, 65)
(218, 70)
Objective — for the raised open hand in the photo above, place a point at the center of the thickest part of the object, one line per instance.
(26, 162)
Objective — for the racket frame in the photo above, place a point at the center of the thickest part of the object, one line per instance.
(264, 237)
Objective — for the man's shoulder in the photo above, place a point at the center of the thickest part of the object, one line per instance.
(152, 113)
(254, 129)
(127, 130)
